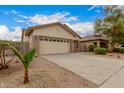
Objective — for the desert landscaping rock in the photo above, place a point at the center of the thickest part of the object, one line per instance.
(42, 74)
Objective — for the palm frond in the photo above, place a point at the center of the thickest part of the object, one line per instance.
(17, 53)
(29, 55)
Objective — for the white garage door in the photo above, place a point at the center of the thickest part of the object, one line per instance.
(54, 46)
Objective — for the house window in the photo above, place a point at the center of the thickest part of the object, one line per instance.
(67, 41)
(57, 40)
(54, 40)
(103, 44)
(46, 39)
(95, 43)
(50, 39)
(41, 38)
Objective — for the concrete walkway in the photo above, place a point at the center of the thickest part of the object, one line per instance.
(106, 72)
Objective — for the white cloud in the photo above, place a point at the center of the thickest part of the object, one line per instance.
(83, 28)
(39, 19)
(44, 19)
(3, 31)
(19, 21)
(14, 35)
(95, 7)
(92, 7)
(57, 17)
(10, 12)
(23, 16)
(72, 19)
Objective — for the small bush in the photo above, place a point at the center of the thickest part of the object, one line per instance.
(91, 48)
(122, 50)
(101, 51)
(116, 50)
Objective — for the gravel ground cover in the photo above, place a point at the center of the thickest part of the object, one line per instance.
(42, 74)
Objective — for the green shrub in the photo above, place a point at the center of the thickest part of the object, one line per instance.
(122, 50)
(91, 48)
(101, 51)
(116, 50)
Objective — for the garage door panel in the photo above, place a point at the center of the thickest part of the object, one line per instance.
(54, 47)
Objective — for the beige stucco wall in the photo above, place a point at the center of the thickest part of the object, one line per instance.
(85, 45)
(52, 31)
(30, 40)
(25, 39)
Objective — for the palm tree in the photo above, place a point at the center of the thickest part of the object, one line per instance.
(98, 26)
(112, 25)
(25, 59)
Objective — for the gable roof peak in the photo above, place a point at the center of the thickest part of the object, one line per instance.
(30, 29)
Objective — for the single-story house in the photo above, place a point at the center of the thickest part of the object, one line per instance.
(52, 38)
(97, 40)
(56, 38)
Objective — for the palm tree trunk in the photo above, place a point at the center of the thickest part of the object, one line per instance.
(26, 80)
(111, 48)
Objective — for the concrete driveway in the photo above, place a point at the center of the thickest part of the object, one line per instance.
(106, 72)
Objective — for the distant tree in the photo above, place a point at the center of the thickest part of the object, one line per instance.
(4, 63)
(112, 25)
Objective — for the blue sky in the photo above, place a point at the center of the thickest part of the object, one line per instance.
(80, 18)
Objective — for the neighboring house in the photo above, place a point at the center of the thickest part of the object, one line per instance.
(97, 40)
(24, 38)
(52, 38)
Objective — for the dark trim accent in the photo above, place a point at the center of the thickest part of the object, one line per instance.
(94, 40)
